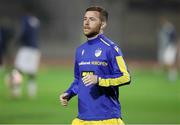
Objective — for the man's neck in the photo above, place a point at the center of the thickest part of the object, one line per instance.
(91, 38)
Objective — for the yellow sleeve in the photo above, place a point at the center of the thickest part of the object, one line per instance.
(125, 78)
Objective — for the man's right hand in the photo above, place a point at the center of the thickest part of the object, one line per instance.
(64, 99)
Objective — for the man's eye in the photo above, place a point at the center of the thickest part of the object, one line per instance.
(92, 19)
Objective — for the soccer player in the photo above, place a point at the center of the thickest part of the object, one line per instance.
(28, 56)
(99, 71)
(167, 51)
(6, 36)
(1, 49)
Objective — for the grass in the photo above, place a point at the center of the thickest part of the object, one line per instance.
(150, 99)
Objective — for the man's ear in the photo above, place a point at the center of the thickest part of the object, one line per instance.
(103, 25)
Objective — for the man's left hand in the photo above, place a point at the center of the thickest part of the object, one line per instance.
(90, 79)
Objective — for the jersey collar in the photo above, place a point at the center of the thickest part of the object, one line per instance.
(94, 39)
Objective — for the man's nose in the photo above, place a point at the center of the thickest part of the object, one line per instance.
(87, 22)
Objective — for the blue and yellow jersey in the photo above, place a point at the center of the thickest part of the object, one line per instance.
(102, 57)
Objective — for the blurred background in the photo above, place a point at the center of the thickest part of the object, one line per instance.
(133, 25)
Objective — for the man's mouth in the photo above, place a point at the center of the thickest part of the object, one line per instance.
(86, 28)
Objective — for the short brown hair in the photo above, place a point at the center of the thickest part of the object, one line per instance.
(102, 11)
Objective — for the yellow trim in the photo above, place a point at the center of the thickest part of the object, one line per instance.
(117, 81)
(84, 73)
(113, 121)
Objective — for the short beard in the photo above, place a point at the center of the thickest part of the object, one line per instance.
(91, 34)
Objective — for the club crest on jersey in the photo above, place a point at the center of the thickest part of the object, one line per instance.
(116, 48)
(98, 52)
(82, 53)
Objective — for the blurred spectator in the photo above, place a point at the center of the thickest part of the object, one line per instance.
(28, 55)
(1, 49)
(178, 54)
(6, 35)
(167, 51)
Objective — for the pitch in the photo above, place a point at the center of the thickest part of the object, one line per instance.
(150, 98)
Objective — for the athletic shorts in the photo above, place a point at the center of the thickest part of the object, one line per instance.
(169, 56)
(114, 121)
(27, 60)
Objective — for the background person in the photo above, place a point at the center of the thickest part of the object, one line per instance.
(167, 52)
(28, 55)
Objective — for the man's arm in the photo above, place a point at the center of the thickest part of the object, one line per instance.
(120, 75)
(73, 89)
